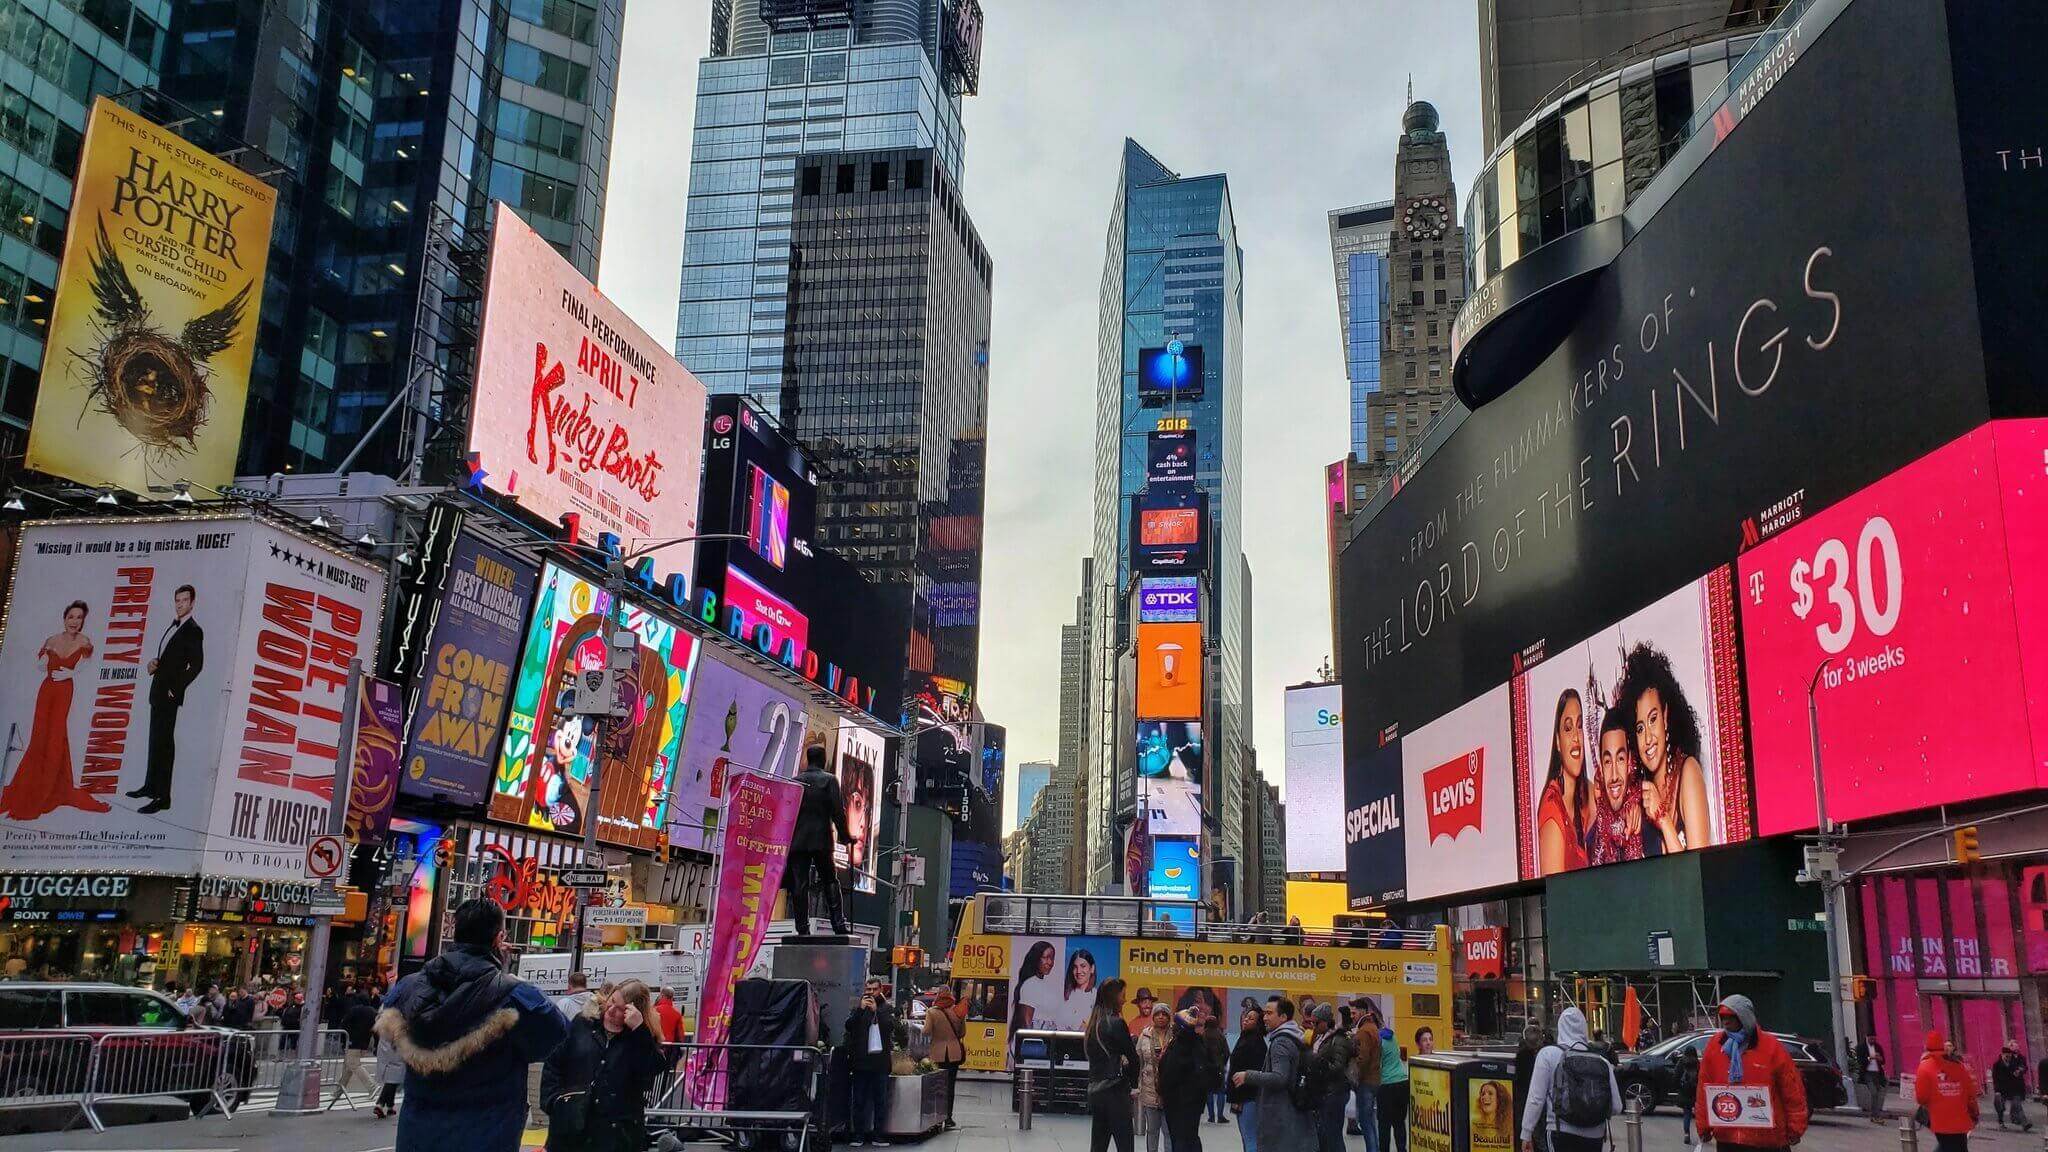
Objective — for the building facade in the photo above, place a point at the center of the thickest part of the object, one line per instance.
(824, 77)
(885, 382)
(1032, 777)
(1077, 718)
(1425, 288)
(1359, 238)
(1171, 270)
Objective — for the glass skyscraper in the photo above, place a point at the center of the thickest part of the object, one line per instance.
(1171, 269)
(1359, 238)
(825, 77)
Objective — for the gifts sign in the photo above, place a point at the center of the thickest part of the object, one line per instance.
(760, 818)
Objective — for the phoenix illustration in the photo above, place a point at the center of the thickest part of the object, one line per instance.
(157, 387)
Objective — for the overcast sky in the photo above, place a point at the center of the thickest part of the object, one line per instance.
(1299, 103)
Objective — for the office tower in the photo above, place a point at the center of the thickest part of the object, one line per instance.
(1529, 48)
(1273, 850)
(1077, 715)
(1359, 237)
(1032, 777)
(1171, 271)
(390, 128)
(786, 78)
(1425, 287)
(885, 381)
(54, 64)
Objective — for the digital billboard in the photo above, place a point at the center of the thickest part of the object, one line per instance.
(1313, 716)
(1176, 869)
(576, 408)
(947, 745)
(1702, 391)
(738, 721)
(1375, 852)
(1170, 457)
(1169, 671)
(766, 620)
(153, 331)
(862, 751)
(758, 484)
(543, 776)
(1458, 775)
(1171, 806)
(1630, 743)
(1169, 599)
(1169, 529)
(1171, 371)
(978, 828)
(1901, 597)
(1171, 749)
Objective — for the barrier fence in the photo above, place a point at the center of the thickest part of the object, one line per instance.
(208, 1070)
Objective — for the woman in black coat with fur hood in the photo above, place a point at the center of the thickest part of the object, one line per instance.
(594, 1088)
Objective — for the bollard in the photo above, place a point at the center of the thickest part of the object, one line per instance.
(1024, 1101)
(1909, 1136)
(1632, 1125)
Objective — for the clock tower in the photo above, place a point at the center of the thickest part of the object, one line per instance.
(1425, 287)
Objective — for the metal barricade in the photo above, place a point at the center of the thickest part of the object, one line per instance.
(199, 1066)
(46, 1071)
(270, 1058)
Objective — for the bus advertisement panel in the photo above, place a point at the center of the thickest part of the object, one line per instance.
(1011, 982)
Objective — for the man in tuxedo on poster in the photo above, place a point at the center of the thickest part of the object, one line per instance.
(179, 657)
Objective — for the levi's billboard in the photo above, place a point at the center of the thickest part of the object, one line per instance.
(1702, 384)
(577, 409)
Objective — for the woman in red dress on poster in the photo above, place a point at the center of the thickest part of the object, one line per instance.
(44, 782)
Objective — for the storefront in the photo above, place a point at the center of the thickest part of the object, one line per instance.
(521, 872)
(84, 927)
(1500, 970)
(235, 931)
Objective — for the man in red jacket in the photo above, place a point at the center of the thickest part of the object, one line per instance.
(1750, 1093)
(1947, 1093)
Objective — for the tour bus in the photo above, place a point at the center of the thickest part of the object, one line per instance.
(1025, 961)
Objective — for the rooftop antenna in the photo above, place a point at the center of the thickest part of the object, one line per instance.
(1411, 87)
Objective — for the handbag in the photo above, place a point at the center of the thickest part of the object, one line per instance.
(569, 1115)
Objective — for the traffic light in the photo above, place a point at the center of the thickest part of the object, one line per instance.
(1861, 988)
(444, 851)
(1967, 851)
(906, 956)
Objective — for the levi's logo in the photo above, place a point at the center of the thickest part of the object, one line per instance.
(1452, 790)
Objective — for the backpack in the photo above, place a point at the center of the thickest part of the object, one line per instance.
(1311, 1081)
(1579, 1092)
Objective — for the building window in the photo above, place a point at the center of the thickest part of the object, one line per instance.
(1442, 297)
(532, 193)
(1432, 327)
(1437, 273)
(813, 177)
(1391, 445)
(785, 71)
(1436, 368)
(878, 176)
(1408, 370)
(913, 174)
(828, 69)
(551, 73)
(1415, 298)
(576, 21)
(842, 178)
(1390, 421)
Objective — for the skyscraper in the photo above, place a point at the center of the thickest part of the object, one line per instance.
(1077, 720)
(1425, 287)
(1359, 237)
(1171, 271)
(1032, 778)
(785, 78)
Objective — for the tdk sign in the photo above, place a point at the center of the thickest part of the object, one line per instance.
(1169, 600)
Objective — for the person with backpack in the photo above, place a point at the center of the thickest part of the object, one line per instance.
(1187, 1073)
(1284, 1125)
(1750, 1092)
(1392, 1105)
(2009, 1086)
(1330, 1078)
(1572, 1091)
(1947, 1094)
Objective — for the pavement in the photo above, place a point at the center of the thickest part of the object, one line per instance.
(986, 1125)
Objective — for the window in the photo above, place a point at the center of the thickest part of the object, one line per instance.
(1413, 419)
(1442, 297)
(785, 71)
(878, 176)
(1390, 420)
(842, 178)
(1436, 368)
(1437, 273)
(1391, 444)
(565, 78)
(1432, 327)
(829, 68)
(103, 1009)
(29, 1008)
(913, 174)
(533, 193)
(812, 177)
(550, 134)
(1408, 370)
(576, 21)
(1415, 297)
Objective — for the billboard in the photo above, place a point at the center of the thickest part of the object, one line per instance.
(1176, 868)
(1704, 387)
(543, 777)
(736, 721)
(1902, 596)
(862, 751)
(1171, 371)
(146, 361)
(1170, 671)
(758, 484)
(374, 771)
(1169, 530)
(475, 617)
(978, 829)
(577, 409)
(947, 746)
(1629, 743)
(766, 620)
(128, 646)
(1314, 768)
(1171, 807)
(1171, 749)
(1458, 780)
(1170, 457)
(1375, 849)
(1169, 599)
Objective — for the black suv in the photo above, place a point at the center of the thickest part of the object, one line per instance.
(1650, 1077)
(47, 1032)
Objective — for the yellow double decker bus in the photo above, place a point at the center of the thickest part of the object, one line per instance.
(1036, 961)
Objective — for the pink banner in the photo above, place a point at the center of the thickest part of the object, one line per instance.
(760, 818)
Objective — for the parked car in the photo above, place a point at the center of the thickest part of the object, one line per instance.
(1650, 1077)
(47, 1033)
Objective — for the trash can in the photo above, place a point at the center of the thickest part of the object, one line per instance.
(1462, 1102)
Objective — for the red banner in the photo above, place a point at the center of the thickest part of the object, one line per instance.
(760, 818)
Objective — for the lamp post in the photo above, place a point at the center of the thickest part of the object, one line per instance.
(1827, 872)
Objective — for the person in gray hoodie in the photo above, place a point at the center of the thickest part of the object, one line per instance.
(1282, 1126)
(1537, 1111)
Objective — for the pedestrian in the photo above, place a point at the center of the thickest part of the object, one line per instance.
(467, 1031)
(1364, 1073)
(1248, 1056)
(1533, 1043)
(1947, 1094)
(1151, 1048)
(1218, 1046)
(1687, 1063)
(1283, 1125)
(290, 1018)
(1743, 1054)
(1392, 1105)
(240, 1013)
(945, 1024)
(570, 1004)
(1187, 1074)
(1572, 1091)
(670, 1015)
(1872, 1076)
(390, 1076)
(594, 1085)
(868, 1040)
(1294, 934)
(2009, 1086)
(358, 1024)
(1112, 1069)
(1330, 1078)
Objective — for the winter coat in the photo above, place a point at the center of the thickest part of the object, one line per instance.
(606, 1078)
(1571, 1035)
(358, 1019)
(467, 1032)
(1151, 1046)
(1187, 1073)
(1764, 1061)
(1365, 1058)
(1332, 1057)
(855, 1039)
(942, 1025)
(1282, 1126)
(1218, 1046)
(2009, 1075)
(1248, 1056)
(390, 1067)
(1946, 1089)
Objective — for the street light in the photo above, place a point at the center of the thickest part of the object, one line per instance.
(1831, 882)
